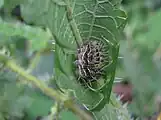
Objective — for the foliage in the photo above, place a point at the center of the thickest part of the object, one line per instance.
(141, 51)
(69, 23)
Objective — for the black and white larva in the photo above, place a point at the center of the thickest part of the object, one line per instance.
(92, 57)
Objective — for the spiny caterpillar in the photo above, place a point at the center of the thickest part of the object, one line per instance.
(92, 59)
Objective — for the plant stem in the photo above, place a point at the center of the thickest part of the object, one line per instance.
(34, 62)
(55, 111)
(56, 95)
(73, 24)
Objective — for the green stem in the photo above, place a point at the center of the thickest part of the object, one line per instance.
(34, 62)
(55, 111)
(56, 95)
(73, 24)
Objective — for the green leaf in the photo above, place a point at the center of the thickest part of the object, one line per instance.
(96, 19)
(40, 101)
(101, 20)
(12, 101)
(113, 111)
(51, 16)
(34, 34)
(93, 21)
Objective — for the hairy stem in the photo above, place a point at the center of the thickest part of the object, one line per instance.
(34, 62)
(73, 24)
(55, 111)
(56, 95)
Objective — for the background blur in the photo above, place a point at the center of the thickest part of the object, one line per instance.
(141, 52)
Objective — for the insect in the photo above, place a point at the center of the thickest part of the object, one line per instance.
(92, 58)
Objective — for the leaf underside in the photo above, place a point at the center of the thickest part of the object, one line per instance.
(98, 19)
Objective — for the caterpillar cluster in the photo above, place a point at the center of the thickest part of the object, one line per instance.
(92, 57)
